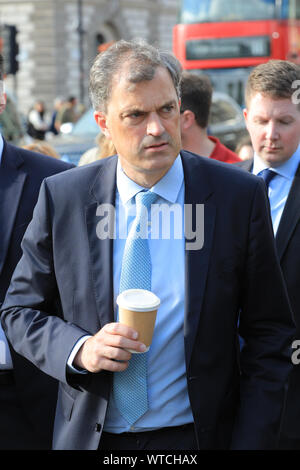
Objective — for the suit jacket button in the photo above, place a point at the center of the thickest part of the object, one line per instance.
(98, 427)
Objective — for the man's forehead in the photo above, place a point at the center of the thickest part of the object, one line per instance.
(130, 79)
(260, 102)
(126, 93)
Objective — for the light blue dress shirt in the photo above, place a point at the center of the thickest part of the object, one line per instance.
(280, 185)
(167, 386)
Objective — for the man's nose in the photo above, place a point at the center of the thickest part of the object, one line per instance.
(154, 125)
(272, 131)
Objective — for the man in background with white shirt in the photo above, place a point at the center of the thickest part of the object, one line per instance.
(272, 116)
(27, 396)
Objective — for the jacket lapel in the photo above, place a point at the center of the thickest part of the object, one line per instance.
(102, 191)
(197, 191)
(290, 216)
(12, 178)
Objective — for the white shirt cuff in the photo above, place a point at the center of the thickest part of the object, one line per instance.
(5, 356)
(70, 368)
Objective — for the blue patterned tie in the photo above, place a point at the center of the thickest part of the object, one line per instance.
(130, 386)
(267, 175)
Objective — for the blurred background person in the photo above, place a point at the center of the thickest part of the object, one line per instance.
(57, 105)
(244, 148)
(37, 123)
(196, 97)
(10, 124)
(67, 113)
(105, 148)
(42, 147)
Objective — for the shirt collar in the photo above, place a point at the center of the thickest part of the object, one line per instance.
(168, 187)
(287, 169)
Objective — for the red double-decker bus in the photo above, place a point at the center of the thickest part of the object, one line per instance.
(225, 38)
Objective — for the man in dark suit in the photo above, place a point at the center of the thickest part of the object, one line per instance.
(27, 396)
(60, 310)
(273, 121)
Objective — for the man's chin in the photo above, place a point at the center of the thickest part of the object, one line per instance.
(272, 157)
(157, 160)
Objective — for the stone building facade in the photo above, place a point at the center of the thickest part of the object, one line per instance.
(56, 48)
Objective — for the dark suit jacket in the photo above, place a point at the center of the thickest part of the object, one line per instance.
(288, 247)
(236, 401)
(21, 174)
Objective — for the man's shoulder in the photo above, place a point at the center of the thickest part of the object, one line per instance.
(46, 164)
(245, 164)
(228, 184)
(215, 169)
(223, 153)
(83, 175)
(33, 162)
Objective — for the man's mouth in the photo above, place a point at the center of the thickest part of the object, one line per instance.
(271, 148)
(156, 146)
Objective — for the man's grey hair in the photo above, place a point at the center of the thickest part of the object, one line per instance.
(143, 60)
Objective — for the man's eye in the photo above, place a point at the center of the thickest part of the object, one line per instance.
(135, 115)
(261, 122)
(168, 109)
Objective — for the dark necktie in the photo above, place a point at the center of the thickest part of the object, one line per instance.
(267, 175)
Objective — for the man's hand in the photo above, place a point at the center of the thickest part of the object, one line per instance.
(103, 350)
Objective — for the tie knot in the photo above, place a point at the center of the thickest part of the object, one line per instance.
(145, 198)
(267, 175)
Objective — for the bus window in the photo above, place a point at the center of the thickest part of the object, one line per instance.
(294, 11)
(206, 11)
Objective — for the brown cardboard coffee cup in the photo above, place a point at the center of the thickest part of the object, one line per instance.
(137, 309)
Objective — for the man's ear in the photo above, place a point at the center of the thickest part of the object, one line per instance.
(2, 102)
(245, 113)
(100, 119)
(187, 119)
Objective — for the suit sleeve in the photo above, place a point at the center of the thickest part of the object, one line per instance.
(267, 328)
(31, 313)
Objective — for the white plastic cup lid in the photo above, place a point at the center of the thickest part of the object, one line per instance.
(138, 300)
